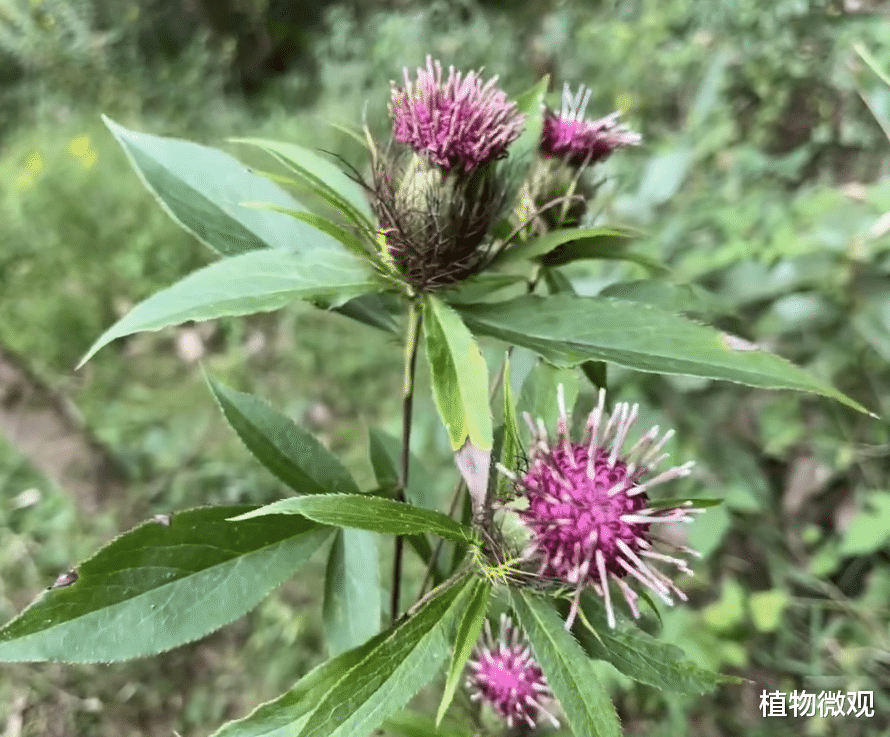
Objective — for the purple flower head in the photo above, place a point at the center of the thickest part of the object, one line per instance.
(581, 141)
(505, 675)
(456, 124)
(588, 511)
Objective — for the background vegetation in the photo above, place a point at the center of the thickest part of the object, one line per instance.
(763, 180)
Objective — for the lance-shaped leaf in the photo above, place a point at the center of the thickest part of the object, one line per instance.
(386, 679)
(569, 244)
(326, 179)
(641, 656)
(351, 591)
(353, 693)
(570, 673)
(459, 376)
(165, 583)
(468, 629)
(377, 310)
(566, 330)
(282, 446)
(201, 187)
(258, 281)
(368, 513)
(286, 715)
(349, 239)
(512, 441)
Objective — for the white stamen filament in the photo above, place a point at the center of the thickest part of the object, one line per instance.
(630, 596)
(650, 583)
(604, 582)
(621, 435)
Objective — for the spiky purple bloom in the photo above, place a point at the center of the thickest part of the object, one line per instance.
(579, 141)
(588, 507)
(505, 674)
(456, 124)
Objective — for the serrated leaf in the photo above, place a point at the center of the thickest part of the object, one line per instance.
(641, 656)
(201, 187)
(352, 591)
(458, 374)
(468, 629)
(570, 673)
(392, 672)
(340, 190)
(163, 584)
(567, 329)
(282, 446)
(287, 714)
(258, 281)
(368, 513)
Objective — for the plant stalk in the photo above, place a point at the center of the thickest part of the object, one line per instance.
(412, 340)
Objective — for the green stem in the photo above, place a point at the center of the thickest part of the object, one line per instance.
(412, 340)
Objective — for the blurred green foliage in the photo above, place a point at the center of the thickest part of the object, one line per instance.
(763, 178)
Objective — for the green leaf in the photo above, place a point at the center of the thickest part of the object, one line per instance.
(201, 188)
(390, 674)
(468, 631)
(459, 376)
(327, 178)
(282, 446)
(573, 243)
(349, 239)
(377, 310)
(570, 673)
(512, 444)
(287, 714)
(368, 513)
(641, 656)
(258, 281)
(163, 584)
(567, 329)
(352, 591)
(415, 724)
(669, 297)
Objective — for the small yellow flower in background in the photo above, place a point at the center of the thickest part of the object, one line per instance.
(31, 170)
(80, 148)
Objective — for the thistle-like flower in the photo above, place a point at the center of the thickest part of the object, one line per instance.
(588, 511)
(579, 141)
(460, 123)
(505, 674)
